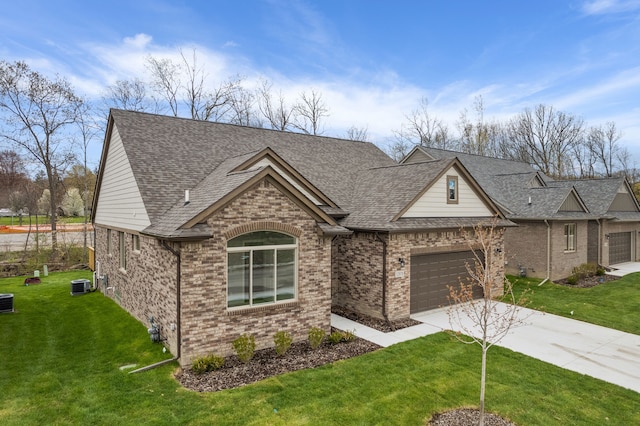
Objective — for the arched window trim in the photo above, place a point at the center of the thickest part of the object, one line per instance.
(245, 289)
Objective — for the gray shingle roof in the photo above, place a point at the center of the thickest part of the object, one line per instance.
(507, 183)
(169, 155)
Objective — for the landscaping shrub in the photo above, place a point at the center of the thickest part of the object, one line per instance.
(348, 336)
(245, 347)
(283, 341)
(207, 363)
(573, 279)
(335, 337)
(316, 336)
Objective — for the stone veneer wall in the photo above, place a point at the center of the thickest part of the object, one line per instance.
(207, 325)
(358, 281)
(148, 286)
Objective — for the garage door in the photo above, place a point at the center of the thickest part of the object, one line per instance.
(432, 273)
(619, 247)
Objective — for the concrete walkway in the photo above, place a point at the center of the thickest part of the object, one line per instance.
(596, 351)
(622, 269)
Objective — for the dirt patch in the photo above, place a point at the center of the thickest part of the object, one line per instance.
(266, 363)
(589, 281)
(467, 417)
(375, 323)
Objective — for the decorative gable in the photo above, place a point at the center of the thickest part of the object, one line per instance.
(451, 195)
(120, 203)
(572, 204)
(623, 201)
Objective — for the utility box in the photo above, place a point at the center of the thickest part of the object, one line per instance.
(6, 302)
(80, 287)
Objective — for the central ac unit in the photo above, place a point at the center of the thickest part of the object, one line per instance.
(6, 302)
(80, 287)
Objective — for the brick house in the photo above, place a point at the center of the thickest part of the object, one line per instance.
(561, 223)
(211, 230)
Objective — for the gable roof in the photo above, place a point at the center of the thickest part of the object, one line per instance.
(339, 182)
(511, 184)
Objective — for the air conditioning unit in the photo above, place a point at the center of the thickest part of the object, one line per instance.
(80, 287)
(6, 302)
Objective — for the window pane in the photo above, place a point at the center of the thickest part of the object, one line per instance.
(286, 274)
(261, 238)
(263, 276)
(239, 278)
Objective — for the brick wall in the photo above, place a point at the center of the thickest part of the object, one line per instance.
(358, 281)
(207, 324)
(148, 285)
(526, 246)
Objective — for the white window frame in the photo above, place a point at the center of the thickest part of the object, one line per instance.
(456, 189)
(570, 237)
(135, 243)
(275, 248)
(109, 243)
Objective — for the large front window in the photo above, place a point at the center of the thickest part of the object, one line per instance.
(261, 268)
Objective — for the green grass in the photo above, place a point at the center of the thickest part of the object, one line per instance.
(61, 356)
(6, 221)
(614, 304)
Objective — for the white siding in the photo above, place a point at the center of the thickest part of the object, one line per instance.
(265, 162)
(120, 203)
(433, 203)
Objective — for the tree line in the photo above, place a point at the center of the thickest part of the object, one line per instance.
(44, 121)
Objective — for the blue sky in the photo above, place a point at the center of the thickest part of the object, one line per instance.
(372, 60)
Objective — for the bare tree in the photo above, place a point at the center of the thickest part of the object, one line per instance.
(130, 95)
(484, 321)
(545, 138)
(357, 134)
(398, 149)
(278, 114)
(480, 137)
(422, 128)
(187, 82)
(38, 114)
(242, 108)
(165, 80)
(309, 112)
(602, 143)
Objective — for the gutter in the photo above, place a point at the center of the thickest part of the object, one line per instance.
(384, 281)
(548, 253)
(176, 253)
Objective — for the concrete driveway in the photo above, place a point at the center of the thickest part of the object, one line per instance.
(622, 269)
(596, 351)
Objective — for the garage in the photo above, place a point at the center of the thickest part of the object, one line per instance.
(619, 247)
(432, 273)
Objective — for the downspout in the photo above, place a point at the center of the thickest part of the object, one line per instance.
(384, 281)
(176, 253)
(599, 242)
(548, 253)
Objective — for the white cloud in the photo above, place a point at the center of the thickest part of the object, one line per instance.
(602, 7)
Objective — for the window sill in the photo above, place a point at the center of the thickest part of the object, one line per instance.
(270, 307)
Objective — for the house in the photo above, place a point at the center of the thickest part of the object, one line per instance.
(206, 231)
(561, 223)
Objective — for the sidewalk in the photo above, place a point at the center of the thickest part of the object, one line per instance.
(600, 352)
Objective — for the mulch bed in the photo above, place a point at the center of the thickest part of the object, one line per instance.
(589, 281)
(375, 323)
(467, 417)
(266, 363)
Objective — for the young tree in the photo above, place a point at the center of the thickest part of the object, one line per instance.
(357, 134)
(484, 321)
(38, 114)
(277, 112)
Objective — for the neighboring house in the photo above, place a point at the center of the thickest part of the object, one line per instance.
(215, 230)
(562, 223)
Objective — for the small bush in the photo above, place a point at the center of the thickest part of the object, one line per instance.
(335, 337)
(348, 336)
(283, 341)
(600, 271)
(573, 279)
(585, 270)
(206, 363)
(316, 336)
(245, 347)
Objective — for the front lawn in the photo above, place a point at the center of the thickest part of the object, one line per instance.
(61, 359)
(614, 304)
